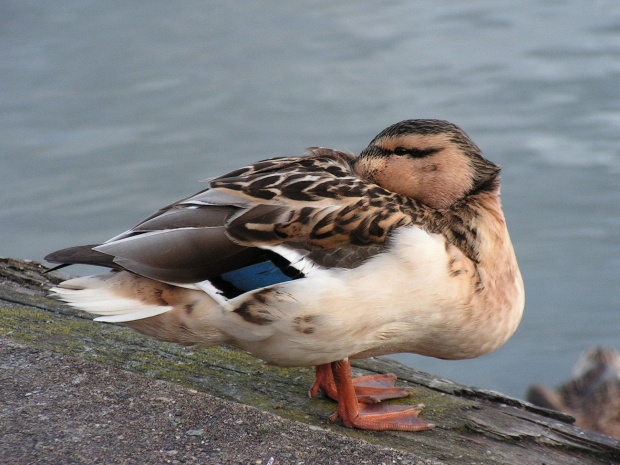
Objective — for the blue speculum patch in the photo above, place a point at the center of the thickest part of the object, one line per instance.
(255, 276)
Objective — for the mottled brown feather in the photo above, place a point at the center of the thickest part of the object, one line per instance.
(358, 212)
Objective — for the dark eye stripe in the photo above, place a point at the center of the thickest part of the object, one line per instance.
(414, 153)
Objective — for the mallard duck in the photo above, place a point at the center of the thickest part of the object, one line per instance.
(317, 259)
(592, 396)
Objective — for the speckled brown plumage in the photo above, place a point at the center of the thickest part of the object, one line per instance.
(316, 259)
(359, 214)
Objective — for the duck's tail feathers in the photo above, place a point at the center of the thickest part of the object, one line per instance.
(168, 313)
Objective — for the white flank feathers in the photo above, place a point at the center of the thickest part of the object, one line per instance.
(93, 296)
(214, 293)
(296, 258)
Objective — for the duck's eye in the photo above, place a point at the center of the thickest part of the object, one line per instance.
(414, 152)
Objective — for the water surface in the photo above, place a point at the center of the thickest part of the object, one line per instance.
(109, 110)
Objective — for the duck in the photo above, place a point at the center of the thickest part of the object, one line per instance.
(314, 260)
(592, 396)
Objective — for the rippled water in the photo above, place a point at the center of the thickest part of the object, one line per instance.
(109, 110)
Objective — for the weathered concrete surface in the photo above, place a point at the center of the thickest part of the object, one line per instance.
(62, 410)
(74, 391)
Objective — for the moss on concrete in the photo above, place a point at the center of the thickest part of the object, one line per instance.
(473, 426)
(224, 371)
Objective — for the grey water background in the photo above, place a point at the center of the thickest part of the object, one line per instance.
(110, 110)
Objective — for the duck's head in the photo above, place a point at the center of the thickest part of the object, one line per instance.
(431, 161)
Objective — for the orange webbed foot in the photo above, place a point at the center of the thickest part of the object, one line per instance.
(358, 414)
(368, 389)
(384, 418)
(375, 388)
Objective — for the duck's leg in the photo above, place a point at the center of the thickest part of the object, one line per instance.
(354, 414)
(368, 389)
(324, 381)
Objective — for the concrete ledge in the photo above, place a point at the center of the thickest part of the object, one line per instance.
(74, 391)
